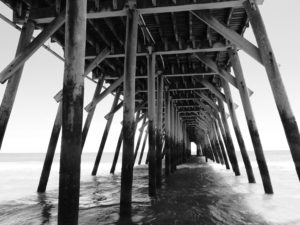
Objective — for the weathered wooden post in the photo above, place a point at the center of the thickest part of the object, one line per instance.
(221, 145)
(139, 139)
(230, 147)
(209, 148)
(90, 114)
(172, 114)
(167, 134)
(129, 105)
(117, 152)
(214, 147)
(260, 158)
(160, 105)
(238, 133)
(283, 105)
(50, 151)
(143, 147)
(152, 124)
(105, 134)
(13, 83)
(217, 143)
(72, 110)
(198, 149)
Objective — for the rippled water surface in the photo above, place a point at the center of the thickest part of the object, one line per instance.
(197, 193)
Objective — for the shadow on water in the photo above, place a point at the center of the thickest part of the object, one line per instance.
(46, 208)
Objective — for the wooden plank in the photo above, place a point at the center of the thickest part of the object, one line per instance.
(48, 14)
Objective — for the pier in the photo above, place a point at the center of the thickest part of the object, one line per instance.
(171, 66)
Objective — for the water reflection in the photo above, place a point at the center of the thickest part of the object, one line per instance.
(46, 207)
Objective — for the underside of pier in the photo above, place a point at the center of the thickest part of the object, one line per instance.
(170, 64)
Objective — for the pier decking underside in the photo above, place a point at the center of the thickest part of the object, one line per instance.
(169, 64)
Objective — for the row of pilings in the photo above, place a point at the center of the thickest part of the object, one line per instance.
(169, 130)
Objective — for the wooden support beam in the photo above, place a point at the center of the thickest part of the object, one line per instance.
(116, 109)
(283, 105)
(143, 147)
(230, 35)
(139, 139)
(117, 152)
(220, 142)
(159, 130)
(104, 136)
(13, 83)
(128, 109)
(188, 74)
(229, 141)
(47, 15)
(31, 48)
(90, 114)
(238, 133)
(223, 73)
(72, 110)
(50, 151)
(101, 96)
(100, 57)
(152, 123)
(253, 130)
(214, 90)
(221, 145)
(167, 134)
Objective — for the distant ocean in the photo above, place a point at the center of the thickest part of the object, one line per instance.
(197, 193)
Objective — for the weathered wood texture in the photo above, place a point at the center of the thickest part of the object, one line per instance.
(13, 83)
(128, 112)
(260, 158)
(283, 105)
(238, 133)
(72, 110)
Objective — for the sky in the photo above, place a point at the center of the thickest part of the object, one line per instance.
(34, 111)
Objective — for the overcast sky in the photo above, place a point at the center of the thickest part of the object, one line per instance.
(34, 111)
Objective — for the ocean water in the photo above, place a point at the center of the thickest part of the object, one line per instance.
(197, 193)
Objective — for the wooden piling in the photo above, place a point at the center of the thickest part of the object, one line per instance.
(217, 143)
(13, 83)
(167, 134)
(139, 139)
(283, 105)
(152, 124)
(221, 145)
(230, 147)
(90, 114)
(129, 105)
(104, 136)
(50, 151)
(238, 133)
(143, 147)
(260, 157)
(117, 152)
(160, 105)
(214, 147)
(72, 110)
